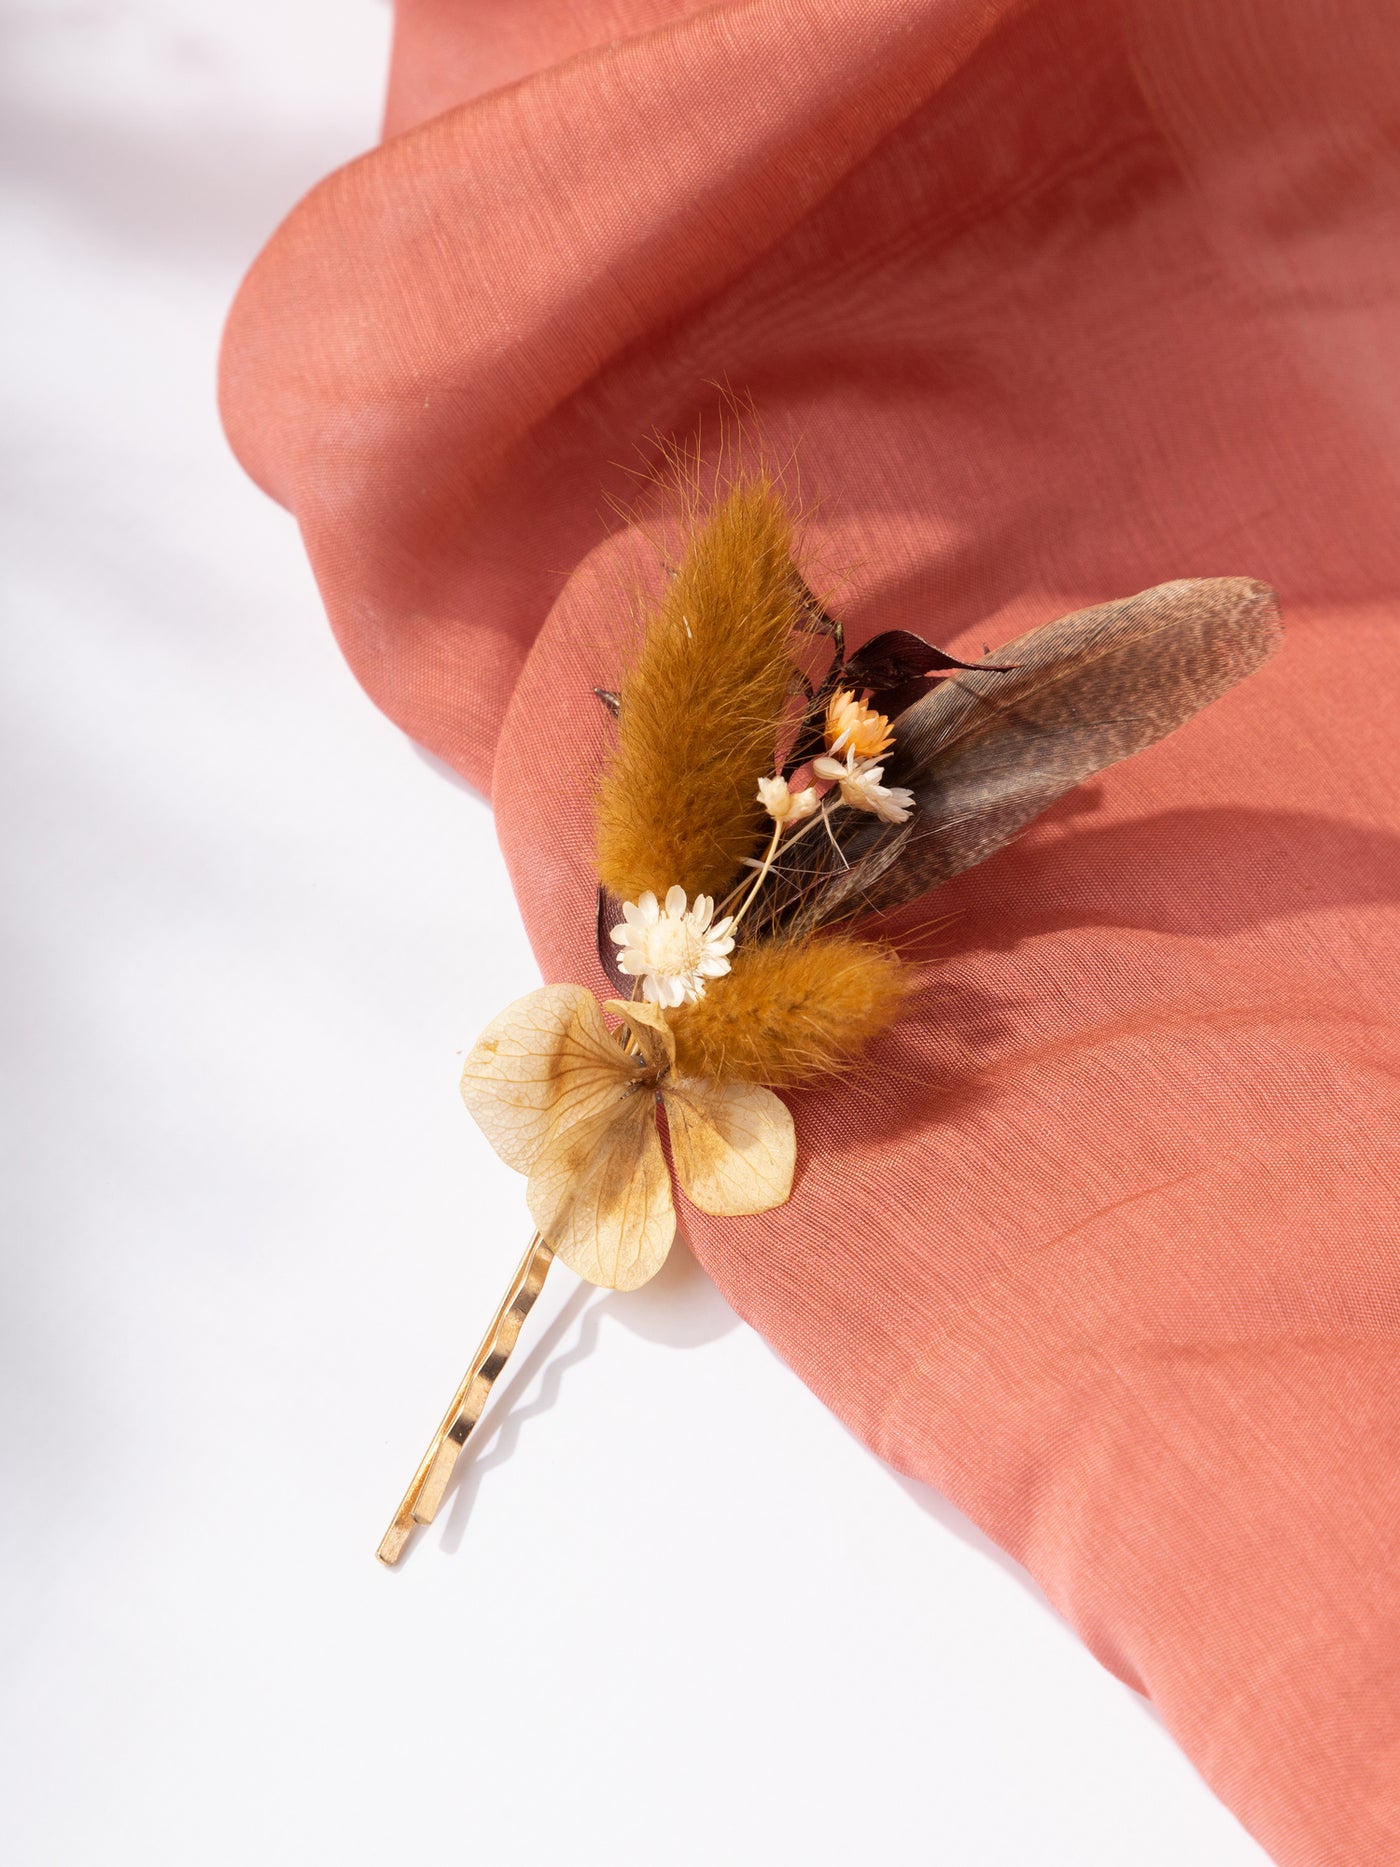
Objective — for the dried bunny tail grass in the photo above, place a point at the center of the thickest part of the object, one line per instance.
(702, 705)
(792, 1009)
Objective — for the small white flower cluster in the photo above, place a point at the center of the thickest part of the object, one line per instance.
(862, 734)
(785, 806)
(859, 779)
(671, 950)
(675, 949)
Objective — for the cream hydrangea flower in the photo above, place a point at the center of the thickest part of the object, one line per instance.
(861, 788)
(783, 805)
(671, 950)
(561, 1100)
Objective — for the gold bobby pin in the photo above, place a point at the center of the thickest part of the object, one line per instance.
(569, 1090)
(424, 1495)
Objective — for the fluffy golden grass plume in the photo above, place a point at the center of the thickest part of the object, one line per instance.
(792, 1009)
(701, 706)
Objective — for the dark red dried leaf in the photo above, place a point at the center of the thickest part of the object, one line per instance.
(899, 668)
(609, 916)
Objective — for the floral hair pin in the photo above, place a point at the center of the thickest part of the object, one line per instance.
(764, 793)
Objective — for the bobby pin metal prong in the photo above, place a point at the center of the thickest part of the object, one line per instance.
(423, 1496)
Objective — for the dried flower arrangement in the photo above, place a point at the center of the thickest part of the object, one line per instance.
(765, 789)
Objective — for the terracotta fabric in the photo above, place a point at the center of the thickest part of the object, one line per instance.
(1051, 303)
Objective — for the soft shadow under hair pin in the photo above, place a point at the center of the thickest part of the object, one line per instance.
(766, 790)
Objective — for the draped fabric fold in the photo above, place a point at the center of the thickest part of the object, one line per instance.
(1048, 304)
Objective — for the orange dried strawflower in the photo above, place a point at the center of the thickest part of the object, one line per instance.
(853, 727)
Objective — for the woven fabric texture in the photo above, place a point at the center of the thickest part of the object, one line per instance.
(1050, 303)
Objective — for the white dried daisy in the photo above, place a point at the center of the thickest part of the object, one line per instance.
(672, 951)
(859, 780)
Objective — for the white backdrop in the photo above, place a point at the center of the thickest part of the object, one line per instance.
(673, 1613)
